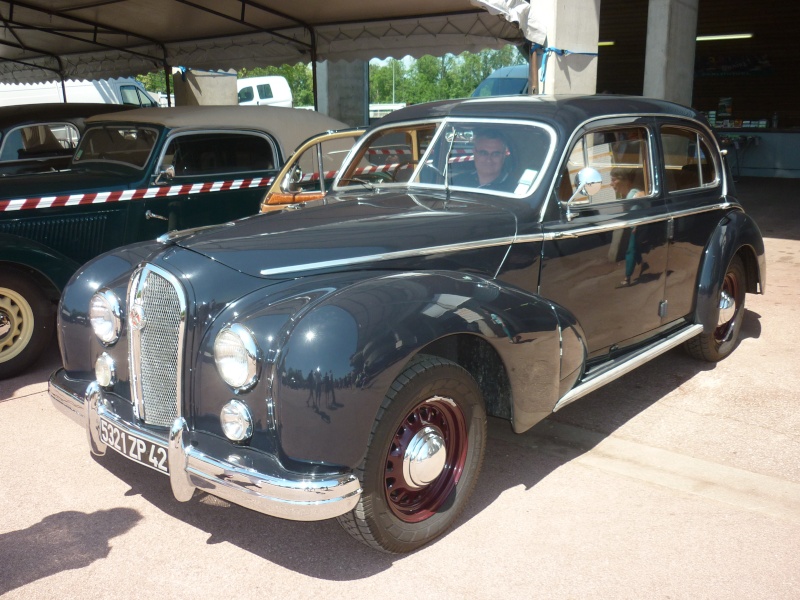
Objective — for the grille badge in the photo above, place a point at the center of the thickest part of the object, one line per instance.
(137, 318)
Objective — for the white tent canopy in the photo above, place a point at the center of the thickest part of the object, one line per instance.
(45, 40)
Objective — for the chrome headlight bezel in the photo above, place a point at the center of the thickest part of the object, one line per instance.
(238, 363)
(236, 421)
(105, 316)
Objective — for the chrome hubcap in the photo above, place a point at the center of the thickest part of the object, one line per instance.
(425, 458)
(727, 307)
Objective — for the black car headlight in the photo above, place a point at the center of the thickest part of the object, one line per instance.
(237, 356)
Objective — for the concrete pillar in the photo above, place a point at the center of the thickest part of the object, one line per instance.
(669, 58)
(343, 91)
(204, 88)
(572, 25)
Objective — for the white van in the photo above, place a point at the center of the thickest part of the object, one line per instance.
(123, 90)
(504, 82)
(272, 90)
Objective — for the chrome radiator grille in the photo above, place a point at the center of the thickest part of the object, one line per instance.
(156, 317)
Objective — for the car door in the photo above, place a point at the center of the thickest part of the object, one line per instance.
(209, 177)
(310, 171)
(605, 262)
(692, 182)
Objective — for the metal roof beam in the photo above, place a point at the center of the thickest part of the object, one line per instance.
(242, 21)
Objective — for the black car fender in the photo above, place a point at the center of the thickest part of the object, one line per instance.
(343, 352)
(735, 233)
(52, 268)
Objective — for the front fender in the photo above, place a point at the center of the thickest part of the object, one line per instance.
(50, 264)
(342, 354)
(735, 233)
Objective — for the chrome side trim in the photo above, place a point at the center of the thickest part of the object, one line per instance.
(601, 380)
(357, 260)
(619, 224)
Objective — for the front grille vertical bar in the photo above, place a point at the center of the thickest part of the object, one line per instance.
(156, 322)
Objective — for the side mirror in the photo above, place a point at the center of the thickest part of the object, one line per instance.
(589, 183)
(165, 176)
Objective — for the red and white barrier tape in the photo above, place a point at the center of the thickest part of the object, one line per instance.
(126, 195)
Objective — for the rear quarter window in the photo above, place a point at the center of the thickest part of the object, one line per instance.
(219, 154)
(688, 160)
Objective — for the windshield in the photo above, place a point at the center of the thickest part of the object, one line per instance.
(123, 144)
(488, 156)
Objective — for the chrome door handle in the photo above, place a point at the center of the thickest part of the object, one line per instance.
(151, 215)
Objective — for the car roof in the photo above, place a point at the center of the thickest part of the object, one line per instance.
(290, 126)
(23, 114)
(565, 112)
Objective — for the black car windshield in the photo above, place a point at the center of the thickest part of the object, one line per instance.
(123, 144)
(497, 157)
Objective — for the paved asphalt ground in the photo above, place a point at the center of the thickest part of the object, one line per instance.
(680, 480)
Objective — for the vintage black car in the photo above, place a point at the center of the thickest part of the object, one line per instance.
(42, 137)
(498, 257)
(134, 176)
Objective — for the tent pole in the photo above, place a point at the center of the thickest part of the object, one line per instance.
(167, 75)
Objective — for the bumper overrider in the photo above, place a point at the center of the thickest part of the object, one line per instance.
(274, 491)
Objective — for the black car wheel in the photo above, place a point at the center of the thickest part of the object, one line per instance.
(718, 344)
(424, 456)
(26, 323)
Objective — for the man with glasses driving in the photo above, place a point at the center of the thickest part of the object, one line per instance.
(490, 151)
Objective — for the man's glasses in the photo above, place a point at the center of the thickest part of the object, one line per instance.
(496, 155)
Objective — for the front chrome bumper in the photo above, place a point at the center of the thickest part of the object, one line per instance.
(278, 493)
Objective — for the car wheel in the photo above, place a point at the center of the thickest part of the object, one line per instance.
(720, 343)
(26, 323)
(425, 452)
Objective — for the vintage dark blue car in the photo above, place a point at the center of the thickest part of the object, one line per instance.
(501, 256)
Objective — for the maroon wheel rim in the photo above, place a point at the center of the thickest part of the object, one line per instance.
(412, 503)
(730, 286)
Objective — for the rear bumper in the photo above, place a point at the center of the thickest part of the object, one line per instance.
(273, 491)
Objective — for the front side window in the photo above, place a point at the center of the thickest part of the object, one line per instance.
(688, 162)
(218, 154)
(483, 156)
(39, 141)
(246, 94)
(622, 157)
(130, 145)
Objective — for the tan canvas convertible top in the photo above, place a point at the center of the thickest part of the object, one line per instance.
(289, 126)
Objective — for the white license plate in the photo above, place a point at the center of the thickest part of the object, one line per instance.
(137, 449)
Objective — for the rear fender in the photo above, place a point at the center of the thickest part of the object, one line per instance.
(736, 233)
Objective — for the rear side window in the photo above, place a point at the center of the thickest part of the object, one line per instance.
(219, 154)
(688, 161)
(265, 91)
(39, 141)
(622, 157)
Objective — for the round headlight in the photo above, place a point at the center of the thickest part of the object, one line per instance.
(236, 355)
(105, 316)
(236, 421)
(105, 371)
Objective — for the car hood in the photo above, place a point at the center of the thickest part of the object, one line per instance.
(63, 183)
(385, 230)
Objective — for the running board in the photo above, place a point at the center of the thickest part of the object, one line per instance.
(628, 366)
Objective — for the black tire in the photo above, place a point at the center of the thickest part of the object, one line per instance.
(27, 322)
(718, 344)
(406, 505)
